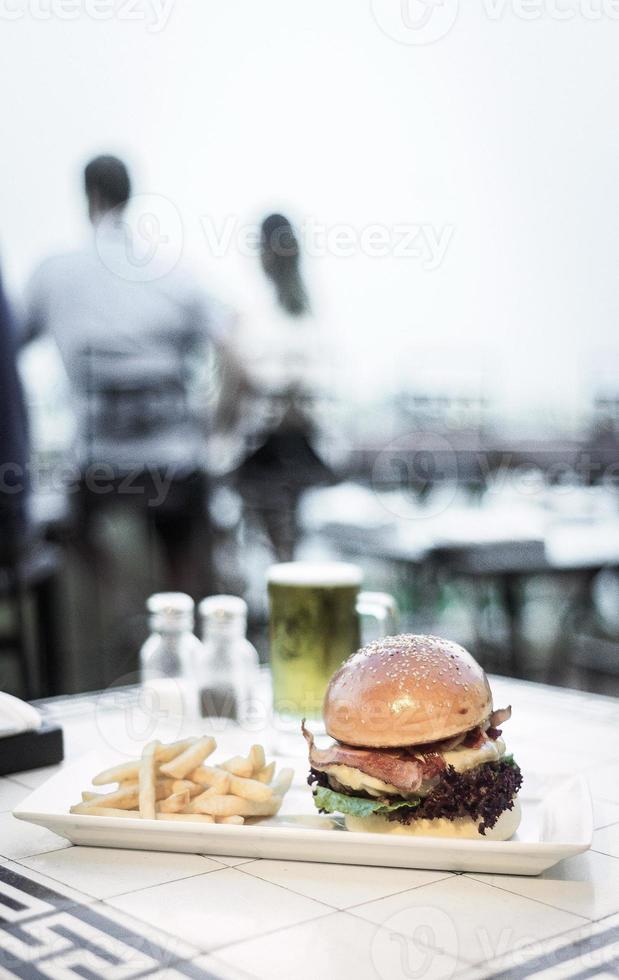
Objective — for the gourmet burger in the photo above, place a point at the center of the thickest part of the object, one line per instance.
(417, 745)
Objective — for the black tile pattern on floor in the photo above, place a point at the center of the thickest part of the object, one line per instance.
(589, 950)
(44, 934)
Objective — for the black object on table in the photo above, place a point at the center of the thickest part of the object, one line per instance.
(31, 750)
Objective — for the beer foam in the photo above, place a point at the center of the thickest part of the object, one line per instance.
(327, 574)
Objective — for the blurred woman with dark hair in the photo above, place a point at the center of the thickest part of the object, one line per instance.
(280, 256)
(279, 349)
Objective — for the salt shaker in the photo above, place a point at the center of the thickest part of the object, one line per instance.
(228, 673)
(170, 655)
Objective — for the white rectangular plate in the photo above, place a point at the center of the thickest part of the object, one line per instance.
(557, 823)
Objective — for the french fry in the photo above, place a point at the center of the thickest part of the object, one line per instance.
(266, 773)
(188, 817)
(130, 770)
(120, 799)
(146, 795)
(283, 782)
(249, 789)
(127, 772)
(256, 757)
(210, 793)
(202, 776)
(167, 752)
(190, 759)
(212, 776)
(233, 806)
(174, 803)
(179, 785)
(221, 783)
(127, 794)
(171, 782)
(238, 766)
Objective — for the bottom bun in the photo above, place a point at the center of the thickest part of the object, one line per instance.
(464, 828)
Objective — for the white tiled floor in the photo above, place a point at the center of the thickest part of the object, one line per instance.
(212, 966)
(604, 781)
(604, 813)
(469, 919)
(11, 794)
(19, 839)
(586, 885)
(71, 894)
(607, 841)
(219, 908)
(559, 958)
(338, 946)
(174, 946)
(104, 872)
(340, 886)
(36, 777)
(231, 862)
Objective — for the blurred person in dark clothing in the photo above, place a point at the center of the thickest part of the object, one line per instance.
(132, 326)
(284, 362)
(14, 455)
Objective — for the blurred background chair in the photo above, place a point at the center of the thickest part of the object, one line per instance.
(31, 632)
(132, 458)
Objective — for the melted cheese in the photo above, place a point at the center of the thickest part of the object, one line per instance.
(357, 780)
(461, 758)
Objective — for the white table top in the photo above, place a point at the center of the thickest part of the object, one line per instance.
(173, 915)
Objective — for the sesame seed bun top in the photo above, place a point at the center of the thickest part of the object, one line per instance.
(406, 690)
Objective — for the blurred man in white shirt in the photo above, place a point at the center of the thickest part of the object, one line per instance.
(131, 329)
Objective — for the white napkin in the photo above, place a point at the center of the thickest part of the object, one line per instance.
(16, 716)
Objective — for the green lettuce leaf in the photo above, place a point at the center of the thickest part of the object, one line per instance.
(332, 802)
(329, 801)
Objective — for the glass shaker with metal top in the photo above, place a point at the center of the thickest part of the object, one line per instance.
(228, 670)
(172, 651)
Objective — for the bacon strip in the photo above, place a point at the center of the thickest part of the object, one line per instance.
(474, 739)
(404, 768)
(498, 717)
(394, 766)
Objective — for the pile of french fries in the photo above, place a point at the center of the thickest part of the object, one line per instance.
(172, 782)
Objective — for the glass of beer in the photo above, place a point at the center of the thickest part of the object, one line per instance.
(314, 625)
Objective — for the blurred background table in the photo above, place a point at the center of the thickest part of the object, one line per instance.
(492, 544)
(508, 545)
